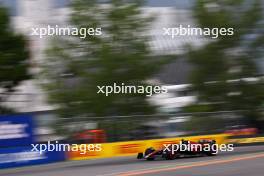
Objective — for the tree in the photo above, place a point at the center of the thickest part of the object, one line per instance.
(120, 55)
(14, 55)
(222, 66)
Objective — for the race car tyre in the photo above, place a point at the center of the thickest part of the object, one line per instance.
(212, 151)
(140, 156)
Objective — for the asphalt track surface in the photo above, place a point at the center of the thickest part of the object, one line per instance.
(243, 161)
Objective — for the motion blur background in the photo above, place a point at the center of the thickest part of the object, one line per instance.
(214, 85)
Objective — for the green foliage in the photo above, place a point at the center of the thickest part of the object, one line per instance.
(14, 56)
(120, 55)
(229, 58)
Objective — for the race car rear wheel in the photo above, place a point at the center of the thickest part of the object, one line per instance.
(212, 151)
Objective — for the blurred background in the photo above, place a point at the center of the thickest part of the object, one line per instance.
(214, 85)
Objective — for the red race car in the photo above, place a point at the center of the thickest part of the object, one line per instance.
(184, 148)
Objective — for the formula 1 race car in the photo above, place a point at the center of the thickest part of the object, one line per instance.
(183, 149)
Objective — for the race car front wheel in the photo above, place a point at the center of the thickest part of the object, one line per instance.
(140, 156)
